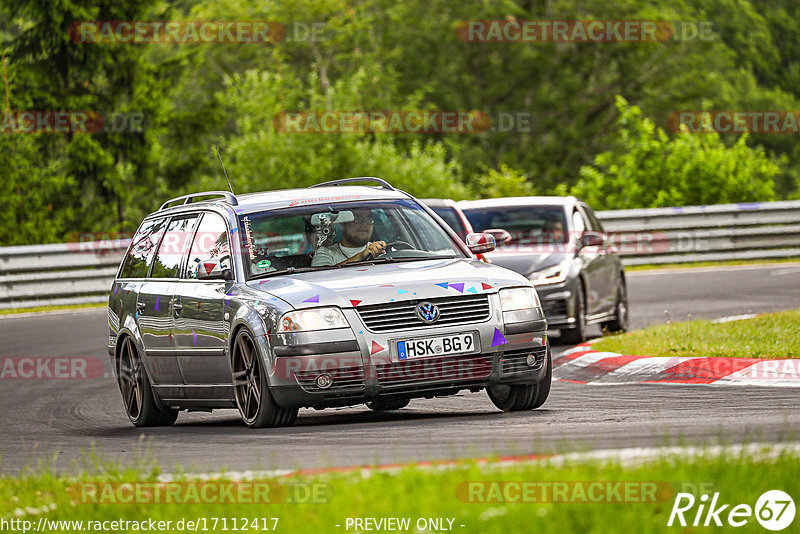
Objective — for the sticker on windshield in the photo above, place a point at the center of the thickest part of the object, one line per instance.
(264, 264)
(248, 232)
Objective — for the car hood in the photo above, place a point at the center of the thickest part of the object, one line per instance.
(382, 283)
(527, 263)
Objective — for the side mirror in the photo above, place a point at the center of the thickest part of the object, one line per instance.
(500, 236)
(592, 239)
(479, 243)
(213, 270)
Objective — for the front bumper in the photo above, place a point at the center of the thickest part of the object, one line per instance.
(362, 365)
(558, 303)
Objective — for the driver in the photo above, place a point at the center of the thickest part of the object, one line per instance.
(354, 245)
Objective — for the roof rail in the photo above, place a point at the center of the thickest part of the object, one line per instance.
(382, 183)
(188, 199)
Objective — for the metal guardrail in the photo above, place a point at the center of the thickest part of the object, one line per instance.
(82, 272)
(755, 230)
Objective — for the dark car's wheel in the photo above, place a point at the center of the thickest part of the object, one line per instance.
(387, 404)
(576, 334)
(523, 397)
(253, 398)
(620, 321)
(137, 395)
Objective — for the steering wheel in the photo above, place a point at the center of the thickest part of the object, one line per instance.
(405, 245)
(394, 246)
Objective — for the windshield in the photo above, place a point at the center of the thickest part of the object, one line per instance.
(341, 234)
(527, 225)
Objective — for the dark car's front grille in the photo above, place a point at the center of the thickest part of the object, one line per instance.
(554, 308)
(402, 316)
(430, 371)
(516, 361)
(344, 380)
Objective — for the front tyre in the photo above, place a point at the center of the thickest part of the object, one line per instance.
(516, 398)
(251, 390)
(137, 395)
(576, 334)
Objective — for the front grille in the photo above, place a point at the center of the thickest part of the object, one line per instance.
(398, 316)
(432, 371)
(516, 361)
(344, 380)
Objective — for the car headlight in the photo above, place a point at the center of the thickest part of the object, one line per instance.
(519, 298)
(552, 275)
(313, 319)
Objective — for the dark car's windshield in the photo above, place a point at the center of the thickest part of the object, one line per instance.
(450, 216)
(321, 236)
(526, 224)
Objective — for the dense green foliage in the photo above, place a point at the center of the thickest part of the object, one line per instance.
(390, 55)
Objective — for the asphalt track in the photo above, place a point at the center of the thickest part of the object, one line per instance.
(58, 422)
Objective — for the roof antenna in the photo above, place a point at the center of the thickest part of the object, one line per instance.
(216, 149)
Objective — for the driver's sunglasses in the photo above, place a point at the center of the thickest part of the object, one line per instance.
(363, 220)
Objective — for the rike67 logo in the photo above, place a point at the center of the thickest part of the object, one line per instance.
(774, 510)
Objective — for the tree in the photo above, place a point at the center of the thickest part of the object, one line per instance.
(649, 169)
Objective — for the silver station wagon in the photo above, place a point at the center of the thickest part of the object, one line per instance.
(334, 295)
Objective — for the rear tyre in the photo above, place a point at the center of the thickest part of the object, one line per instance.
(577, 334)
(137, 395)
(386, 405)
(620, 321)
(518, 398)
(251, 390)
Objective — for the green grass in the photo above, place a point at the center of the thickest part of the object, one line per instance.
(13, 311)
(694, 264)
(771, 336)
(414, 493)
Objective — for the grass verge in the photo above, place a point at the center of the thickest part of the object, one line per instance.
(770, 336)
(694, 264)
(34, 309)
(477, 498)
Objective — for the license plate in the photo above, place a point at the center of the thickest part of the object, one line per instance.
(435, 346)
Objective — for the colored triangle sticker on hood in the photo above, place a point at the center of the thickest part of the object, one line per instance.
(458, 287)
(445, 285)
(315, 298)
(472, 290)
(375, 348)
(355, 302)
(485, 286)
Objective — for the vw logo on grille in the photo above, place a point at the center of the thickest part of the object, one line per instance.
(427, 312)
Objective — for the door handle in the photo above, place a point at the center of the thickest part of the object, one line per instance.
(140, 306)
(177, 306)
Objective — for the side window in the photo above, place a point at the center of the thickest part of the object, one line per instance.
(173, 247)
(140, 256)
(593, 221)
(210, 243)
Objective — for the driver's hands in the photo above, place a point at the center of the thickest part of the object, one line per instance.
(373, 250)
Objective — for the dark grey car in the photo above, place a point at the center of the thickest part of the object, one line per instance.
(260, 302)
(560, 246)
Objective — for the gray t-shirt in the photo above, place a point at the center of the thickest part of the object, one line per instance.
(334, 254)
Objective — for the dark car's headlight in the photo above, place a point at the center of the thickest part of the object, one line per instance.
(555, 274)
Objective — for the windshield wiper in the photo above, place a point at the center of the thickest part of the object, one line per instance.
(294, 270)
